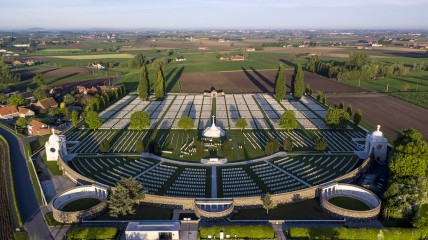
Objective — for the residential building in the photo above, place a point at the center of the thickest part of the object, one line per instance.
(46, 104)
(9, 112)
(37, 128)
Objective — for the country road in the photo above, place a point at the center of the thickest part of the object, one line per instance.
(27, 202)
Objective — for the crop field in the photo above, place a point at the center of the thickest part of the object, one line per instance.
(96, 56)
(391, 113)
(55, 73)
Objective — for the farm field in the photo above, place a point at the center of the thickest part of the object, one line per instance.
(417, 98)
(96, 56)
(391, 113)
(53, 73)
(6, 225)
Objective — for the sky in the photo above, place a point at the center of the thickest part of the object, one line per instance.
(214, 14)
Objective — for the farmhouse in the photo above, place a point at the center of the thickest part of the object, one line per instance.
(98, 65)
(92, 90)
(180, 59)
(30, 62)
(237, 58)
(250, 49)
(17, 63)
(46, 104)
(37, 128)
(28, 96)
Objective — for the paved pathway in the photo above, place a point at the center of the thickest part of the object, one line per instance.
(289, 174)
(213, 182)
(279, 232)
(189, 231)
(31, 215)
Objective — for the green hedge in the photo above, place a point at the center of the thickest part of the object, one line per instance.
(250, 231)
(358, 233)
(93, 233)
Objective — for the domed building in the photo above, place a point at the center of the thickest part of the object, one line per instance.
(54, 146)
(377, 145)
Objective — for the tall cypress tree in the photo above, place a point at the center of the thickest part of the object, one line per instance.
(143, 86)
(298, 82)
(280, 87)
(159, 84)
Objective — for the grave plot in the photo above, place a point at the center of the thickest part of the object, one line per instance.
(154, 179)
(257, 139)
(306, 124)
(117, 106)
(91, 142)
(231, 114)
(166, 123)
(318, 169)
(126, 142)
(236, 182)
(276, 180)
(300, 141)
(110, 170)
(222, 122)
(338, 141)
(191, 182)
(204, 123)
(77, 135)
(261, 123)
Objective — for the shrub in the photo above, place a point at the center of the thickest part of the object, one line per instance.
(242, 232)
(104, 145)
(357, 233)
(320, 144)
(93, 233)
(288, 144)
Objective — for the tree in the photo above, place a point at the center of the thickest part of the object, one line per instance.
(139, 146)
(16, 100)
(308, 90)
(144, 86)
(280, 83)
(123, 198)
(55, 111)
(409, 141)
(40, 94)
(185, 123)
(159, 84)
(139, 121)
(272, 146)
(421, 219)
(154, 147)
(6, 76)
(93, 120)
(349, 110)
(358, 116)
(311, 65)
(336, 117)
(241, 123)
(74, 118)
(226, 148)
(341, 105)
(320, 144)
(288, 120)
(200, 148)
(104, 146)
(3, 98)
(39, 79)
(298, 82)
(406, 165)
(267, 203)
(69, 99)
(288, 144)
(21, 122)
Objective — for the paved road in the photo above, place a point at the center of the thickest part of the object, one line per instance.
(26, 198)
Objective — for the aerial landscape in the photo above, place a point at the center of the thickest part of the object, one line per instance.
(214, 120)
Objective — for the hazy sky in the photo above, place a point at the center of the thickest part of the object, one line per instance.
(172, 14)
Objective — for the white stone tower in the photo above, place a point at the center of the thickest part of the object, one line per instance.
(377, 145)
(54, 146)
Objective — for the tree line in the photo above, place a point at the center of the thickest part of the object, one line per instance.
(359, 67)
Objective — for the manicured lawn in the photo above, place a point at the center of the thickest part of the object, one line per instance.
(81, 204)
(52, 166)
(305, 210)
(349, 203)
(143, 212)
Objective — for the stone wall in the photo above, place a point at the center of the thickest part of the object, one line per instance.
(349, 214)
(75, 217)
(73, 175)
(204, 214)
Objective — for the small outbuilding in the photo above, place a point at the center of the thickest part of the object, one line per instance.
(153, 230)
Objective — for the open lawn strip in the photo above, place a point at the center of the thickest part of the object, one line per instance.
(318, 168)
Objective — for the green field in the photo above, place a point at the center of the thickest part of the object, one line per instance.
(349, 203)
(417, 98)
(142, 212)
(81, 204)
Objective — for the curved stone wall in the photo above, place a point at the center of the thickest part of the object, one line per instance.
(204, 214)
(189, 203)
(352, 191)
(64, 198)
